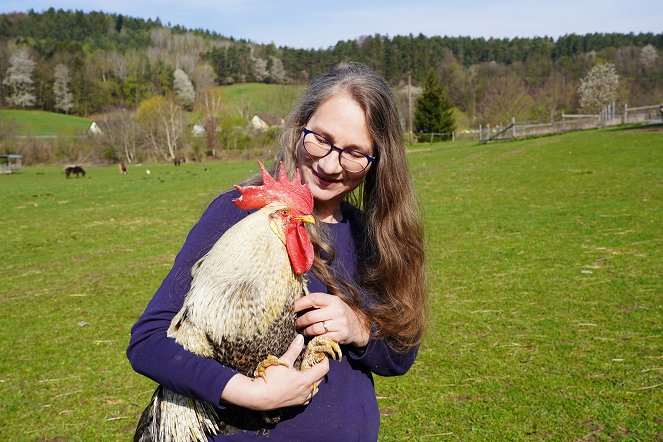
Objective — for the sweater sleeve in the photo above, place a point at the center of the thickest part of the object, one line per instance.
(381, 359)
(151, 352)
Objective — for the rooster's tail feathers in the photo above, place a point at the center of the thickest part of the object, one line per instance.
(173, 417)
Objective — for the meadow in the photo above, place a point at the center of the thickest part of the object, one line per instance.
(41, 123)
(277, 100)
(546, 298)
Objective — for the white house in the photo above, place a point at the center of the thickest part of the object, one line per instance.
(198, 130)
(265, 121)
(94, 129)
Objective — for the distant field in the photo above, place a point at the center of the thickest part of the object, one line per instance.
(36, 122)
(545, 259)
(273, 99)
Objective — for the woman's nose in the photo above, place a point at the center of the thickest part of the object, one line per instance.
(330, 164)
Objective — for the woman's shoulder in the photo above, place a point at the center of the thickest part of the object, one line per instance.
(224, 201)
(352, 214)
(220, 215)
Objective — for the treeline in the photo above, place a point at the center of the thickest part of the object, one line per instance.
(119, 61)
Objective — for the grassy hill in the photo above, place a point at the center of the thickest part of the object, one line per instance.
(37, 122)
(273, 99)
(545, 259)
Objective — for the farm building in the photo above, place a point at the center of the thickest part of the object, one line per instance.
(94, 129)
(198, 130)
(264, 121)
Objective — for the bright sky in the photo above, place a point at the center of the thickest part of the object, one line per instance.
(319, 24)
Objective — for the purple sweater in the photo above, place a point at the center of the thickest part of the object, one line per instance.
(345, 408)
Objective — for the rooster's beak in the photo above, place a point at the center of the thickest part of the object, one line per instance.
(306, 219)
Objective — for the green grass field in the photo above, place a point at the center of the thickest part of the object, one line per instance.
(545, 266)
(274, 99)
(37, 122)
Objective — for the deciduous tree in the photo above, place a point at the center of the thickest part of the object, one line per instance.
(599, 87)
(122, 135)
(506, 97)
(162, 122)
(64, 100)
(648, 56)
(183, 88)
(19, 79)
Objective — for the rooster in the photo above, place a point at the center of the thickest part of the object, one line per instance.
(240, 309)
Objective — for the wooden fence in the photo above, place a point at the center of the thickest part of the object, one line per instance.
(607, 117)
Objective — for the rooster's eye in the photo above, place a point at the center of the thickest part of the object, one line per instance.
(285, 212)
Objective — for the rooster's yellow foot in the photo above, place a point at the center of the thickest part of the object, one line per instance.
(318, 348)
(268, 362)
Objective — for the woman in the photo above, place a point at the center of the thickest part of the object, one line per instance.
(367, 283)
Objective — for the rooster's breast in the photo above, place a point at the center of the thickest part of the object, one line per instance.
(242, 295)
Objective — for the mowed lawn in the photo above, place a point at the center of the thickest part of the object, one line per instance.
(545, 269)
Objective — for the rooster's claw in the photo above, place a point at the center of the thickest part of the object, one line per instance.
(269, 361)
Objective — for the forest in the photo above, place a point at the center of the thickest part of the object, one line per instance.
(92, 63)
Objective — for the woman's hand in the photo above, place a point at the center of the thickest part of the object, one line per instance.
(282, 386)
(332, 317)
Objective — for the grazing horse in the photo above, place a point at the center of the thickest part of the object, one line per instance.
(123, 168)
(178, 161)
(75, 170)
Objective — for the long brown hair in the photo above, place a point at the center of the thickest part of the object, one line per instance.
(392, 261)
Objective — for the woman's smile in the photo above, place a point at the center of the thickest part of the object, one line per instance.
(323, 180)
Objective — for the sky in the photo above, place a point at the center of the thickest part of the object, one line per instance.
(320, 24)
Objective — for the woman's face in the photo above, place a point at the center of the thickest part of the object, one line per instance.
(341, 121)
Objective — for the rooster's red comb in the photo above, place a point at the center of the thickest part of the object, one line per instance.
(293, 193)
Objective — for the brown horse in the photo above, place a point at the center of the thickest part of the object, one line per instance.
(74, 170)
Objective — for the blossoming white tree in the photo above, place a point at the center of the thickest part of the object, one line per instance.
(599, 87)
(183, 88)
(64, 99)
(19, 79)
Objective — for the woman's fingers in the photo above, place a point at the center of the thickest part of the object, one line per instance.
(296, 347)
(312, 317)
(313, 300)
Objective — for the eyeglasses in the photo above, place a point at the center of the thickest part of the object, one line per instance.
(319, 147)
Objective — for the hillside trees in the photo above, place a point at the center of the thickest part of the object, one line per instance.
(433, 114)
(118, 62)
(18, 79)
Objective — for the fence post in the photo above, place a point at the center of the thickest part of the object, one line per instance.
(625, 113)
(513, 126)
(480, 133)
(563, 120)
(453, 135)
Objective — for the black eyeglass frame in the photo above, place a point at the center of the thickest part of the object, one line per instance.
(370, 159)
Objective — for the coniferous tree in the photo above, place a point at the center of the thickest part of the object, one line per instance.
(433, 114)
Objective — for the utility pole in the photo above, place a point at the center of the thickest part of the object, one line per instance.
(409, 104)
